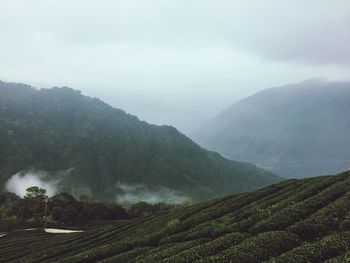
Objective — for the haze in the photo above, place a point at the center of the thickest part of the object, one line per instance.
(173, 62)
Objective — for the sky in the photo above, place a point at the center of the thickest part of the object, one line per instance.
(175, 62)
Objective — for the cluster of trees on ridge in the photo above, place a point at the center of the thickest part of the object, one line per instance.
(37, 209)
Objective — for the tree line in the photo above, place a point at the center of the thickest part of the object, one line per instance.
(37, 209)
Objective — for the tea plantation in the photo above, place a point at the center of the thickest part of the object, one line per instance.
(294, 221)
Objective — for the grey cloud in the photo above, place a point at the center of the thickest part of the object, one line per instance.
(133, 193)
(304, 30)
(307, 31)
(174, 52)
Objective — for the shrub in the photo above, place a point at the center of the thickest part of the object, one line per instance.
(325, 248)
(258, 248)
(323, 221)
(127, 256)
(301, 210)
(209, 248)
(169, 251)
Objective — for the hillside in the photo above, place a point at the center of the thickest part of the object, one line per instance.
(304, 220)
(296, 130)
(93, 149)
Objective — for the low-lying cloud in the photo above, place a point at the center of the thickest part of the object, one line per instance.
(133, 193)
(20, 181)
(168, 52)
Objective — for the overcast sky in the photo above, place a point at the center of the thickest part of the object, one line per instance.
(173, 61)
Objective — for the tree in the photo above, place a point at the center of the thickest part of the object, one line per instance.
(36, 200)
(36, 192)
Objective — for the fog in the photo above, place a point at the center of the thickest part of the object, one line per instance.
(20, 181)
(162, 60)
(133, 193)
(54, 183)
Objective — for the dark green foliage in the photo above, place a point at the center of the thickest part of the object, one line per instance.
(66, 209)
(141, 209)
(127, 256)
(298, 211)
(99, 147)
(212, 247)
(35, 192)
(61, 209)
(169, 252)
(328, 247)
(326, 220)
(258, 248)
(32, 206)
(339, 259)
(37, 210)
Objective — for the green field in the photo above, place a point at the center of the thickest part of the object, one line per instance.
(294, 221)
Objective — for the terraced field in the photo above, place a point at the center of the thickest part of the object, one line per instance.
(294, 221)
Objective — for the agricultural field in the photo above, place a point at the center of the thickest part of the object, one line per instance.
(304, 220)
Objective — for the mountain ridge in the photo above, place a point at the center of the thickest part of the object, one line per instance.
(295, 130)
(59, 129)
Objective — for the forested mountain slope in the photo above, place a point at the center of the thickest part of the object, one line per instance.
(296, 130)
(92, 148)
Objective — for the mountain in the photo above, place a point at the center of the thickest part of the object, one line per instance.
(87, 147)
(294, 221)
(296, 130)
(158, 112)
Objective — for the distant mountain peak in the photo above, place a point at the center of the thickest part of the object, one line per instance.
(295, 130)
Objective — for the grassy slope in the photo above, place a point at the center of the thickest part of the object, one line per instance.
(293, 221)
